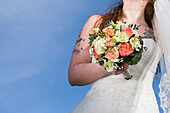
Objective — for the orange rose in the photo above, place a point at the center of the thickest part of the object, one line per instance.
(112, 55)
(109, 32)
(128, 31)
(110, 43)
(125, 49)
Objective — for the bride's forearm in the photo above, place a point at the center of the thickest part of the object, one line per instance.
(85, 73)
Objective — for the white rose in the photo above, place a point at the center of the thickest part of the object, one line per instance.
(135, 43)
(100, 46)
(94, 41)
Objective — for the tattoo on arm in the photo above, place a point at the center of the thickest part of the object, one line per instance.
(79, 39)
(76, 51)
(149, 34)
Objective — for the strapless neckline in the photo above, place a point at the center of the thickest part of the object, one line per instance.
(114, 94)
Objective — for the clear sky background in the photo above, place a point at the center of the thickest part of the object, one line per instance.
(37, 38)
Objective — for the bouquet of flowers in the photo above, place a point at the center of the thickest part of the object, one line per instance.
(117, 43)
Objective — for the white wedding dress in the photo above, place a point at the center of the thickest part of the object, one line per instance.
(114, 94)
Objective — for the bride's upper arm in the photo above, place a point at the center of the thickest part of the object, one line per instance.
(80, 52)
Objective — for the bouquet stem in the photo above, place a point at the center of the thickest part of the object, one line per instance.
(127, 75)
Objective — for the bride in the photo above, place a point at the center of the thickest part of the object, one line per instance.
(110, 92)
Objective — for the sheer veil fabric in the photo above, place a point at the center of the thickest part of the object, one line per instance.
(161, 23)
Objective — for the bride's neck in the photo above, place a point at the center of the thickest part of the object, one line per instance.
(133, 11)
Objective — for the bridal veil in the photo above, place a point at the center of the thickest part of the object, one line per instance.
(161, 25)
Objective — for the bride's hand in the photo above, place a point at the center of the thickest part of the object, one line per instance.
(125, 67)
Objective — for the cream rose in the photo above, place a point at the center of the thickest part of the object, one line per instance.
(100, 46)
(122, 36)
(135, 43)
(109, 66)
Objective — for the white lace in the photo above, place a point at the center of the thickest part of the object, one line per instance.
(164, 93)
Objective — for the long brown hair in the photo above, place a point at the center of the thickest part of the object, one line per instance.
(115, 13)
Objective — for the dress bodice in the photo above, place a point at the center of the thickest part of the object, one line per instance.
(148, 59)
(114, 94)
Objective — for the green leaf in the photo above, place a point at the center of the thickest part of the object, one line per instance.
(133, 35)
(146, 49)
(92, 36)
(101, 62)
(96, 30)
(138, 26)
(141, 40)
(120, 28)
(112, 23)
(133, 59)
(137, 58)
(134, 27)
(90, 42)
(113, 40)
(102, 35)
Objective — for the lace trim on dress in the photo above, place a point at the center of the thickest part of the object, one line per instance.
(164, 92)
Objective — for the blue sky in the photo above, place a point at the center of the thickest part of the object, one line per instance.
(37, 38)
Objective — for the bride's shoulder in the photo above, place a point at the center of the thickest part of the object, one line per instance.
(93, 19)
(90, 23)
